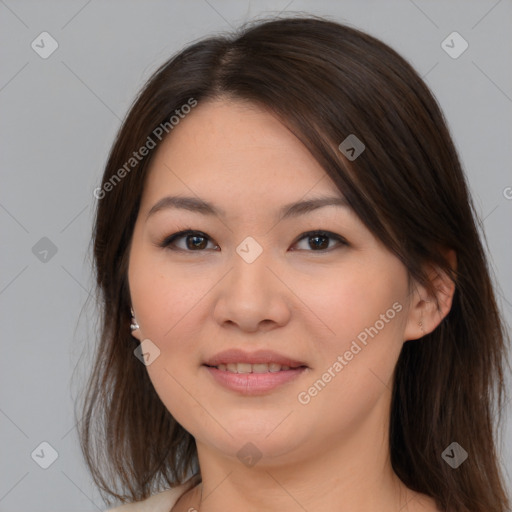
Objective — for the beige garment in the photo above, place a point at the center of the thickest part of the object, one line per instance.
(161, 502)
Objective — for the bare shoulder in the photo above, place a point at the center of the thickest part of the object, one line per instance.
(161, 502)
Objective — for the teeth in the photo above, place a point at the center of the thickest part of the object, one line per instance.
(252, 368)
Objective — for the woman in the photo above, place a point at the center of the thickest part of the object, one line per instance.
(297, 310)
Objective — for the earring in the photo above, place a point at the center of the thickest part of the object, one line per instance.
(134, 325)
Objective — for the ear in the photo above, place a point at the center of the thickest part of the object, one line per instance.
(427, 310)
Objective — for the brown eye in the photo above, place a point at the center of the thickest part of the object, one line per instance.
(318, 241)
(195, 241)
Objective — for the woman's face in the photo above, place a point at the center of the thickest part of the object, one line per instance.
(251, 279)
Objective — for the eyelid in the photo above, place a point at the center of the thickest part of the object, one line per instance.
(322, 232)
(166, 243)
(168, 240)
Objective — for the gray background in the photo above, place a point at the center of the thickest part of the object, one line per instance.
(58, 119)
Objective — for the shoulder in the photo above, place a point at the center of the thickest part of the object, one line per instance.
(161, 502)
(156, 503)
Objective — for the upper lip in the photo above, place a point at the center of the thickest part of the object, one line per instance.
(259, 356)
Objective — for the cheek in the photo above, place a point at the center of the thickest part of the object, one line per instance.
(166, 303)
(354, 298)
(364, 310)
(163, 295)
(354, 366)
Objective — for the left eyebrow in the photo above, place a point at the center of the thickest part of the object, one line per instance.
(303, 207)
(203, 207)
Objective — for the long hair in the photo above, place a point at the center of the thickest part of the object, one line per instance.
(324, 81)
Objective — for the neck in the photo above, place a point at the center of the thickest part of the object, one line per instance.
(344, 474)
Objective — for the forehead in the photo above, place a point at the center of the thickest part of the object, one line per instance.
(235, 151)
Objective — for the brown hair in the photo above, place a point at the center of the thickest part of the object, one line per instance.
(325, 81)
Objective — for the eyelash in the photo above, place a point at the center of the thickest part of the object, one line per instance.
(167, 242)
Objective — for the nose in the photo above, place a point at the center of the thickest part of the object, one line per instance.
(252, 297)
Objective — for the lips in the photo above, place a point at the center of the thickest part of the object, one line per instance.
(254, 384)
(269, 357)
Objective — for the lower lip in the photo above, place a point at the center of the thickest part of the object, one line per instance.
(254, 383)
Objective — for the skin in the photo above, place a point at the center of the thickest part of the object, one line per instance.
(331, 454)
